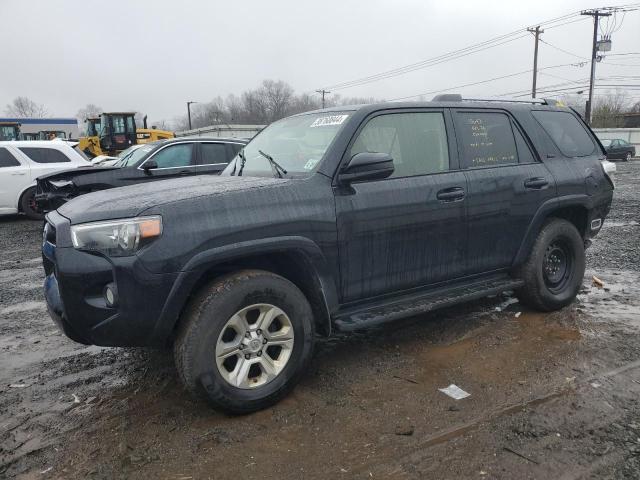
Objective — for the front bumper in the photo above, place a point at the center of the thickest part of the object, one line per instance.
(74, 292)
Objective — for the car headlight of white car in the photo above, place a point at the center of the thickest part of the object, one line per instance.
(117, 237)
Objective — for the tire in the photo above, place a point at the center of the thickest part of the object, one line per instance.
(551, 282)
(28, 205)
(209, 321)
(627, 157)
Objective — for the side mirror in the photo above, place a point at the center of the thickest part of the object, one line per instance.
(149, 165)
(367, 166)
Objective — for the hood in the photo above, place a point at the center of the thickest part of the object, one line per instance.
(73, 173)
(132, 200)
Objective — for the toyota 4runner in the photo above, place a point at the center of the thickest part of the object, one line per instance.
(340, 219)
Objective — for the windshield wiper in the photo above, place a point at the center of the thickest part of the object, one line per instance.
(244, 160)
(275, 166)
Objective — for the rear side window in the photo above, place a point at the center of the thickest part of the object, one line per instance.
(571, 138)
(213, 153)
(7, 159)
(487, 139)
(417, 142)
(44, 155)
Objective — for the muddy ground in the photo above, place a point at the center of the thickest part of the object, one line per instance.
(552, 395)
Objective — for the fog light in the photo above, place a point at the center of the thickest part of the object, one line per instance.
(110, 295)
(596, 224)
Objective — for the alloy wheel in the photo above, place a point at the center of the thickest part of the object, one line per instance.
(254, 346)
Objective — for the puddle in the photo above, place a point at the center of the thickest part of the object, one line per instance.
(22, 307)
(616, 223)
(618, 300)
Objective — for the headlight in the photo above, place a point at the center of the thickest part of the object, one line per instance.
(117, 237)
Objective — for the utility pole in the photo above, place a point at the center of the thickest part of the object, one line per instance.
(323, 93)
(189, 112)
(596, 14)
(536, 31)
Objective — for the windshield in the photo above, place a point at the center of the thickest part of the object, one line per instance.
(605, 143)
(8, 132)
(133, 156)
(295, 143)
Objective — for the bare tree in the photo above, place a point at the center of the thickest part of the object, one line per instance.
(271, 101)
(89, 111)
(608, 110)
(23, 107)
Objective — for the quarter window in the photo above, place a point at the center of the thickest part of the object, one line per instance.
(417, 142)
(7, 159)
(524, 152)
(213, 153)
(44, 155)
(487, 139)
(567, 133)
(174, 156)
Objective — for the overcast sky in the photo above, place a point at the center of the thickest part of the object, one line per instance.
(153, 56)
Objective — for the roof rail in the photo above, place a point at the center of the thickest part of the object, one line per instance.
(456, 97)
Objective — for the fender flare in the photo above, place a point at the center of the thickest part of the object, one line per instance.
(19, 199)
(579, 200)
(193, 270)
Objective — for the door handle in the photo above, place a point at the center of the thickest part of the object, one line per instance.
(536, 183)
(453, 194)
(18, 173)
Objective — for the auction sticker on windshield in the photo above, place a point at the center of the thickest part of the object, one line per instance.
(329, 120)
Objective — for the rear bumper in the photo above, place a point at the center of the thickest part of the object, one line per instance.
(74, 292)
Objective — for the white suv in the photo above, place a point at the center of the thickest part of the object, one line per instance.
(22, 162)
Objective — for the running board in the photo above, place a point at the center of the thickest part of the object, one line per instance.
(359, 317)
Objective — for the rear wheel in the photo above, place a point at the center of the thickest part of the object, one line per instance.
(245, 342)
(627, 157)
(29, 206)
(554, 270)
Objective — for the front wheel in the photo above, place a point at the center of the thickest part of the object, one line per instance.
(554, 270)
(627, 157)
(245, 341)
(29, 206)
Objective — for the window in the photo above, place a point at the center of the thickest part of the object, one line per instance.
(235, 148)
(417, 142)
(487, 139)
(213, 153)
(174, 156)
(567, 133)
(7, 159)
(44, 155)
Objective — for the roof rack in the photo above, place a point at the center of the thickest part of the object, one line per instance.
(456, 97)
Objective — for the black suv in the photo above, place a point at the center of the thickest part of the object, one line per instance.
(340, 219)
(160, 160)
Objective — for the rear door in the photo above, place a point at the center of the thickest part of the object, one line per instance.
(213, 157)
(44, 160)
(14, 178)
(407, 230)
(507, 183)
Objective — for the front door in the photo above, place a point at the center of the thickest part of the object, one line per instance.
(407, 230)
(506, 182)
(173, 160)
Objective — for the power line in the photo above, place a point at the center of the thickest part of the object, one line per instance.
(491, 43)
(563, 50)
(480, 82)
